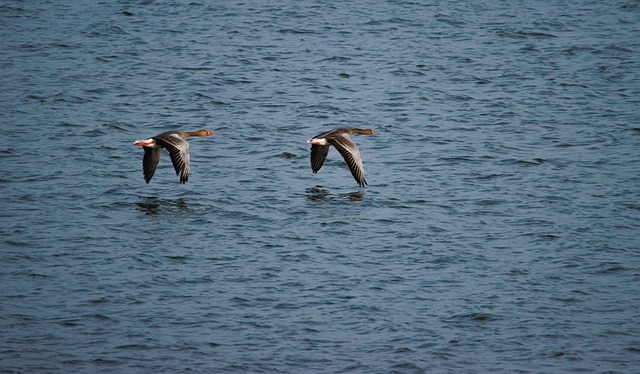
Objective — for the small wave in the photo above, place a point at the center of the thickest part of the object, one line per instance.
(196, 68)
(288, 155)
(295, 31)
(116, 126)
(335, 59)
(449, 20)
(473, 317)
(520, 34)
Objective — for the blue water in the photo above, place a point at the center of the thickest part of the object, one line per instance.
(499, 230)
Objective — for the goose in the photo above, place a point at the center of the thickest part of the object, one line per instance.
(341, 140)
(178, 147)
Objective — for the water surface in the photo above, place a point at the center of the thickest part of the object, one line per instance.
(499, 229)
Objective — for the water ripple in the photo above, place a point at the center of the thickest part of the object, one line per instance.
(501, 206)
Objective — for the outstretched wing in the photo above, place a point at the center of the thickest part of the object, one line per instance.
(179, 152)
(150, 161)
(318, 155)
(351, 154)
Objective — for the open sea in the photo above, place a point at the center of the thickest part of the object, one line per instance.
(499, 232)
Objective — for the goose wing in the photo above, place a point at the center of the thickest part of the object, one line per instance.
(351, 154)
(179, 152)
(150, 161)
(318, 155)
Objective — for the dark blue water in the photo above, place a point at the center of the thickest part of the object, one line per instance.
(500, 230)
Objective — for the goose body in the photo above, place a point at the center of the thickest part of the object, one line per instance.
(341, 140)
(178, 147)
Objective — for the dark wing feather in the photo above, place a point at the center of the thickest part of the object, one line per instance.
(318, 155)
(351, 154)
(150, 161)
(179, 151)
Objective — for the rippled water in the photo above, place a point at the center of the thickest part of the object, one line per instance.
(499, 231)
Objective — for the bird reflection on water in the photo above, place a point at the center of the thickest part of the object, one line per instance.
(155, 206)
(319, 194)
